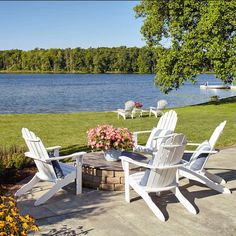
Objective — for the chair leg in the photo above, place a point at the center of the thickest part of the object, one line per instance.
(78, 181)
(203, 179)
(28, 186)
(49, 194)
(185, 202)
(55, 188)
(156, 114)
(215, 178)
(153, 207)
(157, 212)
(127, 187)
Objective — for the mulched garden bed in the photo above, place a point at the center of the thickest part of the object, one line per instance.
(10, 181)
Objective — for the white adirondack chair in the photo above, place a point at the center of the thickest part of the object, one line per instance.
(128, 111)
(48, 168)
(161, 174)
(195, 166)
(158, 110)
(165, 126)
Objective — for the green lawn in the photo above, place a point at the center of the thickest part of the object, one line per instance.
(69, 130)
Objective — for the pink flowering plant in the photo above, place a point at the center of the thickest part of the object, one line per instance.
(104, 137)
(138, 104)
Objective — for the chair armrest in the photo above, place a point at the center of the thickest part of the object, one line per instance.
(153, 108)
(141, 164)
(53, 148)
(73, 156)
(142, 132)
(135, 135)
(209, 152)
(193, 144)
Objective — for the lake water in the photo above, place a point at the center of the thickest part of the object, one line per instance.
(56, 93)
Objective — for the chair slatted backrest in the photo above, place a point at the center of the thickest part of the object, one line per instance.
(162, 104)
(155, 143)
(129, 105)
(165, 126)
(169, 154)
(199, 159)
(168, 121)
(37, 150)
(216, 134)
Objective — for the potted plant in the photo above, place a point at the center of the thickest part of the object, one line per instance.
(138, 105)
(214, 98)
(111, 140)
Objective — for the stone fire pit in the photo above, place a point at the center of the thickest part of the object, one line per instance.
(104, 175)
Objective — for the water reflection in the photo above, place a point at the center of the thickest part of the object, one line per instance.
(44, 93)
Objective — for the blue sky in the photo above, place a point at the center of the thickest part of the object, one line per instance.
(30, 24)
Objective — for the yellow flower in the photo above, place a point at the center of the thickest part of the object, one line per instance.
(9, 219)
(23, 233)
(11, 199)
(2, 224)
(13, 212)
(35, 228)
(11, 222)
(12, 203)
(22, 218)
(3, 234)
(27, 217)
(25, 226)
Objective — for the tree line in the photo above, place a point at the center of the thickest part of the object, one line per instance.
(78, 60)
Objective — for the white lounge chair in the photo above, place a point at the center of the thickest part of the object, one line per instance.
(165, 126)
(161, 174)
(158, 110)
(195, 166)
(128, 111)
(49, 168)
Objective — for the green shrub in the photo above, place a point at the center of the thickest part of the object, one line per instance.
(214, 98)
(234, 81)
(13, 157)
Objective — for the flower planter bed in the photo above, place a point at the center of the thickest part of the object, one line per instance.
(103, 175)
(11, 181)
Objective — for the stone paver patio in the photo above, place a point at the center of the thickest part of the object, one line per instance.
(106, 213)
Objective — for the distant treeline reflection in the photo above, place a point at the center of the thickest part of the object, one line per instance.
(79, 60)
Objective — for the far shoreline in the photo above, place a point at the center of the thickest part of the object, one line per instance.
(61, 72)
(79, 72)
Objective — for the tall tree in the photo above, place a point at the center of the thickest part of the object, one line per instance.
(202, 35)
(145, 60)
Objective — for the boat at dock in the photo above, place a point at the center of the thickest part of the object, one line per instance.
(216, 86)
